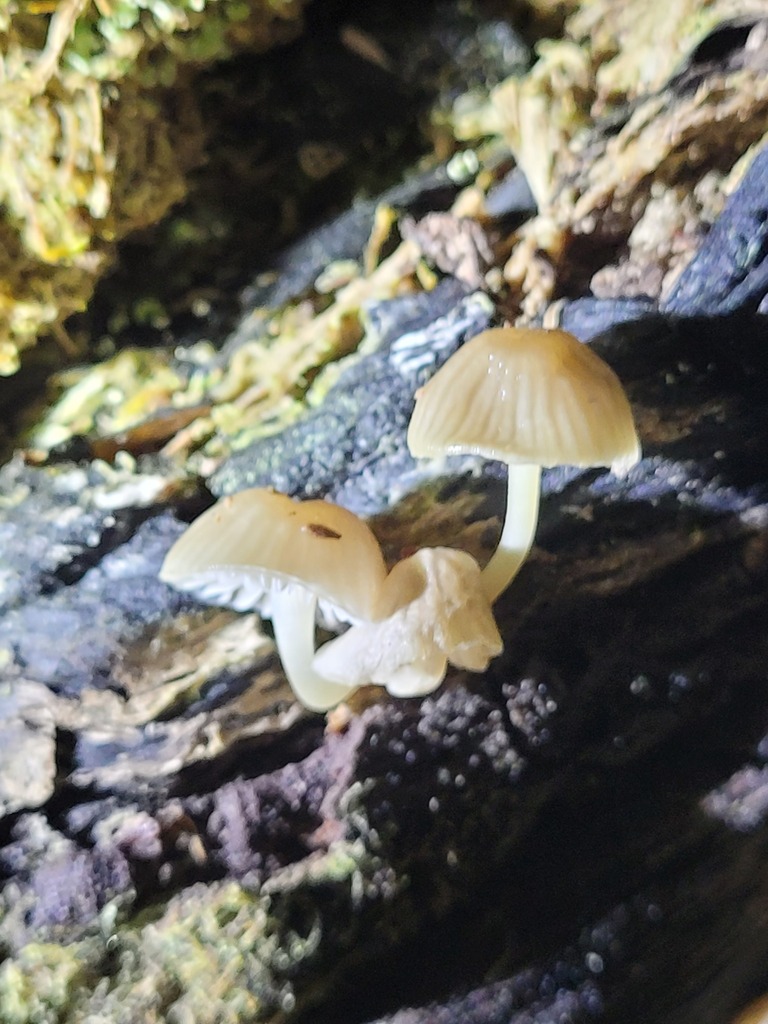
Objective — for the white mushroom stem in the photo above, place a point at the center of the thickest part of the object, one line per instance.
(293, 620)
(523, 488)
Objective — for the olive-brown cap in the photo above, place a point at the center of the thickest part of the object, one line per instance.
(526, 395)
(250, 542)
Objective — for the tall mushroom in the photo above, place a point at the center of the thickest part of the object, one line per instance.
(259, 544)
(530, 398)
(432, 610)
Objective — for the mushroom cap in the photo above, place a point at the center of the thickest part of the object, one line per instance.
(526, 395)
(250, 542)
(432, 611)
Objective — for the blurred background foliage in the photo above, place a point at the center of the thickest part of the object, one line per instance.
(99, 130)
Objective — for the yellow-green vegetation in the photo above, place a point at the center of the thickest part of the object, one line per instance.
(109, 397)
(37, 986)
(217, 954)
(98, 131)
(259, 389)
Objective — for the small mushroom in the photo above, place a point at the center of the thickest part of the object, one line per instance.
(530, 398)
(259, 544)
(432, 611)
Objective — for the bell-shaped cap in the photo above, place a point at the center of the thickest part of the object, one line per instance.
(253, 541)
(432, 611)
(526, 395)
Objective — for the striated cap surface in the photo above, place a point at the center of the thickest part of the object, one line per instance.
(526, 395)
(250, 542)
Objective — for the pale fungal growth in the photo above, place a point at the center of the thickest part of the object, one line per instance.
(432, 611)
(530, 398)
(259, 545)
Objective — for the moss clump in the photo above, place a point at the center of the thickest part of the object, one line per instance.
(37, 986)
(99, 129)
(215, 954)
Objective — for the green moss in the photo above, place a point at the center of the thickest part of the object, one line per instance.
(36, 987)
(216, 954)
(98, 132)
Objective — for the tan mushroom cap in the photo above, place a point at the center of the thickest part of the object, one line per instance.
(526, 395)
(251, 541)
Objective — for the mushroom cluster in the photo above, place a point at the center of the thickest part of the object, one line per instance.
(527, 397)
(262, 549)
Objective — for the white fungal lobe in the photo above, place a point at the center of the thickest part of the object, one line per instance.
(432, 611)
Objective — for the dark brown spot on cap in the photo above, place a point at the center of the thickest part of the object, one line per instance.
(323, 531)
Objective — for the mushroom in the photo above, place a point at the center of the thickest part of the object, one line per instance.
(432, 610)
(260, 544)
(530, 398)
